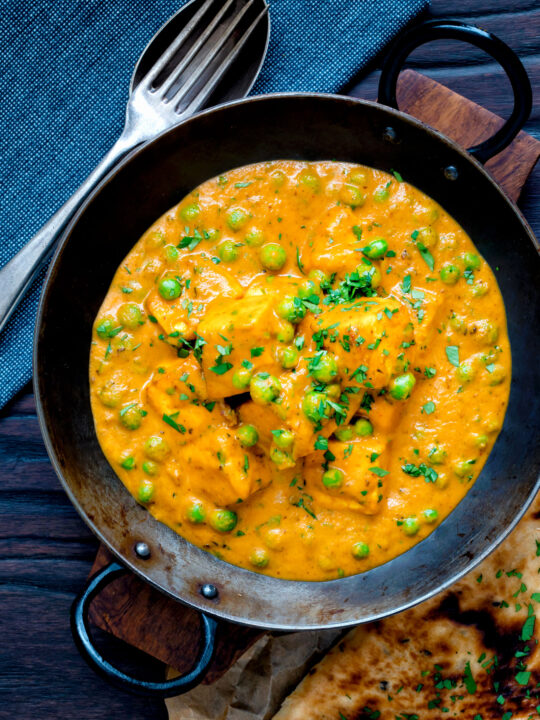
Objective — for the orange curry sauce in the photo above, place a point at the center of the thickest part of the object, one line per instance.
(301, 368)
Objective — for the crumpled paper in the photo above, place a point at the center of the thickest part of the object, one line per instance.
(254, 687)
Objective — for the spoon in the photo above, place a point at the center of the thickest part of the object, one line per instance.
(209, 52)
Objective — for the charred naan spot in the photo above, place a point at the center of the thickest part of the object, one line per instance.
(503, 639)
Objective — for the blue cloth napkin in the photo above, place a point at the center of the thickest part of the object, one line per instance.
(64, 74)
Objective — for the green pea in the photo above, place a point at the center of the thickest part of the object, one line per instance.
(449, 274)
(315, 406)
(332, 478)
(170, 253)
(471, 261)
(463, 468)
(255, 237)
(223, 520)
(430, 515)
(291, 309)
(283, 439)
(319, 277)
(466, 371)
(357, 176)
(169, 288)
(237, 218)
(150, 467)
(155, 239)
(376, 248)
(130, 316)
(363, 428)
(156, 448)
(105, 326)
(401, 387)
(307, 288)
(481, 441)
(242, 378)
(370, 275)
(131, 417)
(333, 391)
(285, 331)
(273, 256)
(351, 195)
(485, 331)
(344, 434)
(437, 456)
(259, 558)
(324, 368)
(190, 212)
(310, 179)
(278, 178)
(279, 456)
(479, 289)
(227, 251)
(381, 195)
(111, 394)
(360, 550)
(497, 375)
(128, 463)
(212, 234)
(195, 512)
(288, 357)
(410, 526)
(247, 435)
(264, 388)
(145, 491)
(428, 236)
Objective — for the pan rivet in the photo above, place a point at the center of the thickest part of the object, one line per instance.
(389, 134)
(209, 591)
(142, 550)
(451, 173)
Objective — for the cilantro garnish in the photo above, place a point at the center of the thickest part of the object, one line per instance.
(171, 420)
(452, 353)
(413, 470)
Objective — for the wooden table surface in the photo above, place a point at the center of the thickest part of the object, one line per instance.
(46, 551)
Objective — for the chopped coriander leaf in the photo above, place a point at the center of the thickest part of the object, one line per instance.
(256, 351)
(406, 284)
(428, 408)
(452, 353)
(170, 420)
(397, 176)
(299, 262)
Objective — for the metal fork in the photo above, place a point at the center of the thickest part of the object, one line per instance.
(170, 91)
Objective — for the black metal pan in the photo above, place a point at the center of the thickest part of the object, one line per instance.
(157, 176)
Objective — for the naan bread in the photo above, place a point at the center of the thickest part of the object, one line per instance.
(452, 656)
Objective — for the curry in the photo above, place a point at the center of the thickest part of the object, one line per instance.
(301, 368)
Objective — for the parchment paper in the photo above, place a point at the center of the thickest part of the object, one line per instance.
(254, 687)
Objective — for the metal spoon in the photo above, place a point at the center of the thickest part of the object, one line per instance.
(209, 52)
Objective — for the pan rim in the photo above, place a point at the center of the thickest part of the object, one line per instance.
(208, 608)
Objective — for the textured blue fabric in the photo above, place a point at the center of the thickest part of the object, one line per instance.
(65, 67)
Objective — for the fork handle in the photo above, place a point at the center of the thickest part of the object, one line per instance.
(17, 274)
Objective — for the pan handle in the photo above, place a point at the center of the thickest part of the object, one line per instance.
(80, 627)
(499, 51)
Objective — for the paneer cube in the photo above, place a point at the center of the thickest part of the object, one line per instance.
(235, 331)
(367, 335)
(333, 245)
(179, 393)
(362, 487)
(425, 309)
(216, 466)
(202, 282)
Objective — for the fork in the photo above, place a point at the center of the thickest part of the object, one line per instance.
(176, 86)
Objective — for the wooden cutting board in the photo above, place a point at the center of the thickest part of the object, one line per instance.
(138, 614)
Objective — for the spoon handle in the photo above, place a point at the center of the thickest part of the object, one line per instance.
(18, 273)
